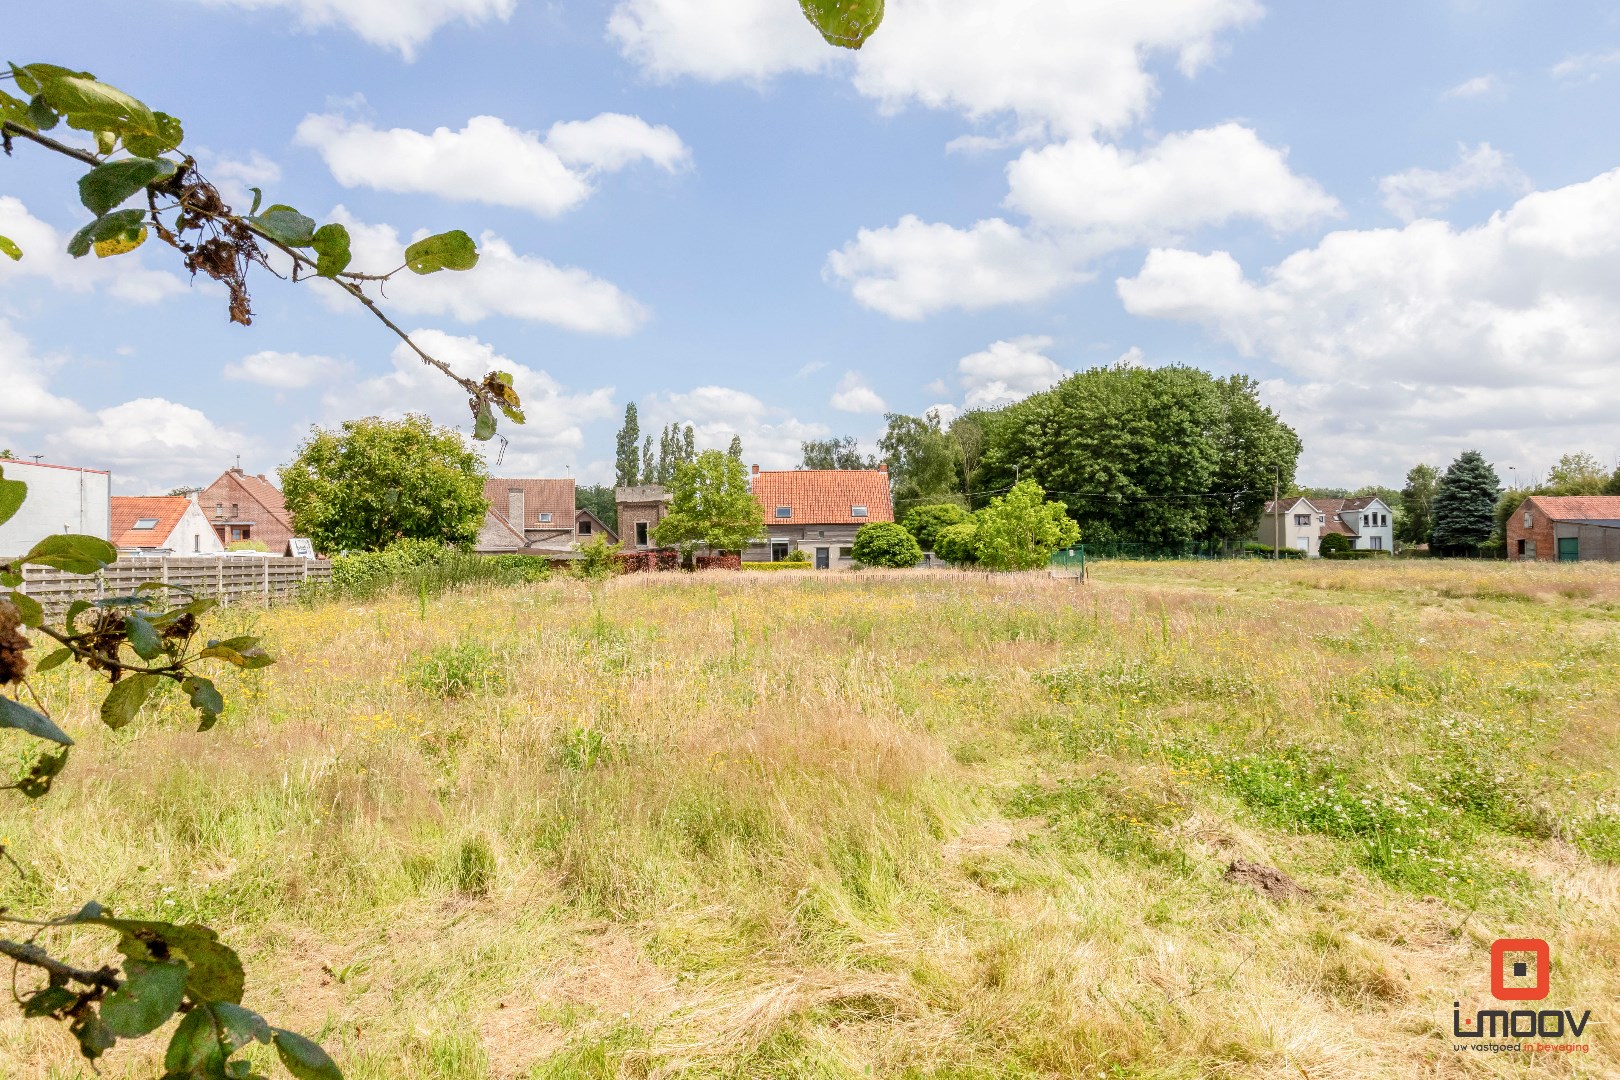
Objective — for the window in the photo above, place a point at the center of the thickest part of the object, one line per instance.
(1377, 542)
(1529, 519)
(545, 517)
(1521, 547)
(584, 526)
(784, 511)
(146, 523)
(196, 542)
(219, 509)
(1302, 519)
(779, 550)
(241, 532)
(236, 510)
(641, 534)
(846, 553)
(857, 511)
(1321, 519)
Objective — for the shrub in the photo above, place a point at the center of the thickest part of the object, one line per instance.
(1264, 551)
(596, 560)
(640, 562)
(458, 670)
(422, 567)
(927, 522)
(883, 543)
(247, 545)
(768, 567)
(717, 562)
(958, 544)
(1364, 554)
(797, 555)
(1020, 530)
(1333, 542)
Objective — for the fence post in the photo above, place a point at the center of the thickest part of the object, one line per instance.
(163, 567)
(220, 580)
(267, 579)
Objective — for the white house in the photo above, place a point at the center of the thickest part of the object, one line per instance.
(61, 499)
(1301, 523)
(163, 525)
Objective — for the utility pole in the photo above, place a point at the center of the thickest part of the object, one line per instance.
(1276, 513)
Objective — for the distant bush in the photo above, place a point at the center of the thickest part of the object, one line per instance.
(883, 543)
(927, 522)
(1264, 551)
(769, 566)
(1365, 554)
(422, 567)
(1333, 542)
(797, 555)
(458, 670)
(635, 562)
(247, 545)
(958, 544)
(717, 562)
(596, 560)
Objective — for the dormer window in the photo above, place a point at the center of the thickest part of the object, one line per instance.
(784, 511)
(857, 511)
(145, 523)
(544, 518)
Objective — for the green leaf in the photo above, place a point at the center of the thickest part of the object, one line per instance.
(28, 608)
(150, 996)
(74, 610)
(14, 714)
(91, 105)
(513, 414)
(40, 115)
(142, 637)
(484, 423)
(204, 697)
(12, 492)
(846, 23)
(9, 247)
(106, 186)
(106, 142)
(50, 1000)
(125, 699)
(73, 552)
(127, 226)
(258, 197)
(194, 1048)
(38, 781)
(452, 250)
(169, 135)
(94, 1037)
(9, 577)
(331, 244)
(248, 659)
(14, 109)
(238, 1026)
(54, 660)
(286, 225)
(215, 970)
(303, 1058)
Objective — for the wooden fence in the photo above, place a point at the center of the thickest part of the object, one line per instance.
(226, 578)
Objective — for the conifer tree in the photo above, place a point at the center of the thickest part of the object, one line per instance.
(627, 459)
(1465, 504)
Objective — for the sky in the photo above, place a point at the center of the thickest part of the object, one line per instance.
(1401, 218)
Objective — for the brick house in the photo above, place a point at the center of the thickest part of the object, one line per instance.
(640, 509)
(1572, 528)
(162, 525)
(588, 527)
(243, 506)
(1300, 523)
(818, 510)
(528, 516)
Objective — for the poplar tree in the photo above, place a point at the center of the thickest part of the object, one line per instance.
(627, 459)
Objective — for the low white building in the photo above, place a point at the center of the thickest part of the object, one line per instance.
(61, 499)
(162, 525)
(1300, 523)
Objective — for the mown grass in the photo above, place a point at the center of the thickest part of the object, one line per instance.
(928, 826)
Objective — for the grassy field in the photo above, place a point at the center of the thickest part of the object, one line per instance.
(920, 826)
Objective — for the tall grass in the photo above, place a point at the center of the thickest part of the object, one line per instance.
(904, 825)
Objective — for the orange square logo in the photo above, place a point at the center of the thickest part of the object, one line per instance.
(1521, 969)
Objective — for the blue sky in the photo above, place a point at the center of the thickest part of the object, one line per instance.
(1404, 218)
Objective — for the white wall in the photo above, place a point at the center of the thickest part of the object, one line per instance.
(60, 499)
(1384, 533)
(193, 535)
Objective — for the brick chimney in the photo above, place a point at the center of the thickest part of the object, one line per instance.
(883, 466)
(756, 470)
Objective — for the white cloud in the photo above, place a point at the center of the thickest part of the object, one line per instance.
(1075, 67)
(1585, 67)
(547, 445)
(234, 176)
(770, 435)
(45, 256)
(809, 369)
(1412, 343)
(27, 403)
(284, 371)
(1471, 89)
(490, 161)
(1191, 179)
(503, 283)
(852, 395)
(402, 25)
(1419, 192)
(150, 444)
(916, 268)
(1008, 371)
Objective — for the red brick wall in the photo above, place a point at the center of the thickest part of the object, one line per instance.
(1540, 532)
(226, 492)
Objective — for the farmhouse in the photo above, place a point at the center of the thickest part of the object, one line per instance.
(162, 525)
(528, 517)
(588, 527)
(1300, 523)
(640, 509)
(1574, 528)
(61, 499)
(243, 507)
(818, 510)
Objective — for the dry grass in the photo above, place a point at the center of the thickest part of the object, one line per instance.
(922, 826)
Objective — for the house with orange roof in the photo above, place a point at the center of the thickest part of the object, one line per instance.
(529, 516)
(1565, 528)
(818, 511)
(243, 507)
(162, 525)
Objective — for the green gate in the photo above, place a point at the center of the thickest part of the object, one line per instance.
(1569, 549)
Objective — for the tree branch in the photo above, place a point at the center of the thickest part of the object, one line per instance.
(34, 956)
(10, 129)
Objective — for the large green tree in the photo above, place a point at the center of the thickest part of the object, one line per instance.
(1415, 522)
(1577, 474)
(926, 522)
(841, 453)
(1159, 455)
(1020, 530)
(627, 450)
(710, 504)
(373, 481)
(1465, 504)
(921, 457)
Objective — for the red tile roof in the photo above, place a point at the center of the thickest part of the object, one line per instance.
(1578, 507)
(268, 495)
(554, 497)
(257, 488)
(127, 510)
(824, 496)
